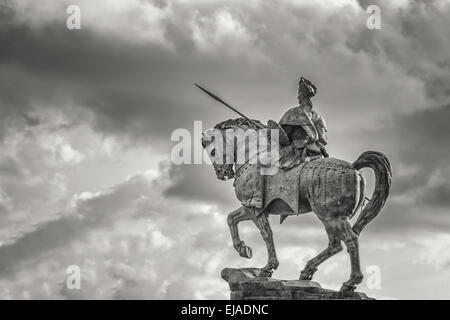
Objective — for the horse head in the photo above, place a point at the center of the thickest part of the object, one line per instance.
(220, 144)
(214, 142)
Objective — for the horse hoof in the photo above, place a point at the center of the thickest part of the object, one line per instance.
(305, 276)
(265, 273)
(347, 289)
(307, 273)
(246, 252)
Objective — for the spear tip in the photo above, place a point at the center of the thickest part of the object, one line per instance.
(212, 95)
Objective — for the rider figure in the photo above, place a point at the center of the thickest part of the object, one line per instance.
(301, 128)
(304, 126)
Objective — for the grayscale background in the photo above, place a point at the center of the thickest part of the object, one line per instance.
(86, 118)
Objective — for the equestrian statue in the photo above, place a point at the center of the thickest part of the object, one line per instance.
(307, 180)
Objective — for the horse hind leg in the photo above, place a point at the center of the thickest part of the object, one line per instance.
(334, 247)
(351, 242)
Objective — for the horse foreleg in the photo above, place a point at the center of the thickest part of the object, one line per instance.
(263, 225)
(241, 214)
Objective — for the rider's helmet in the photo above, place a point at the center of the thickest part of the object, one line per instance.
(307, 88)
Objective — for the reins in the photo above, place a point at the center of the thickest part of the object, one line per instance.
(238, 172)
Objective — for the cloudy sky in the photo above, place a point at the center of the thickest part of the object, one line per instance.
(86, 118)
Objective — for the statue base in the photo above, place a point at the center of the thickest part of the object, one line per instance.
(246, 284)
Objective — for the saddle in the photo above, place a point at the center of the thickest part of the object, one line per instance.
(260, 191)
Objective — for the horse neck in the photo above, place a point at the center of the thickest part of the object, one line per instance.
(229, 144)
(235, 144)
(242, 147)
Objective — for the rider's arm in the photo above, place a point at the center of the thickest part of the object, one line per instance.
(321, 128)
(312, 134)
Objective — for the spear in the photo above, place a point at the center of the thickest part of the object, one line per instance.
(212, 95)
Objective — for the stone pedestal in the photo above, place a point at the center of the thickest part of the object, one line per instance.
(245, 284)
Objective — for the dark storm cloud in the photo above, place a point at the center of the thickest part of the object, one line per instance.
(415, 144)
(143, 90)
(89, 71)
(96, 211)
(199, 182)
(437, 195)
(140, 91)
(415, 38)
(47, 236)
(416, 141)
(9, 167)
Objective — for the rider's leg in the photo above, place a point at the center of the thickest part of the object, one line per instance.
(257, 199)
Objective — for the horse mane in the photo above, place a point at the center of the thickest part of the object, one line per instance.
(238, 122)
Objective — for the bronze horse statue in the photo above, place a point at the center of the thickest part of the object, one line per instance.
(331, 188)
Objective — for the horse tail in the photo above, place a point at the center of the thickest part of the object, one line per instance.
(361, 186)
(383, 175)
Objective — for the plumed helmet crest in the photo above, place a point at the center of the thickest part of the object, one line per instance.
(307, 87)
